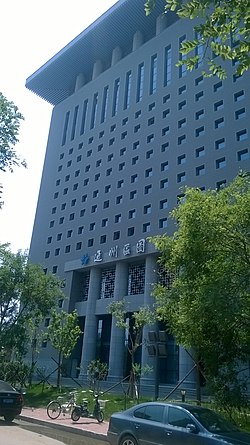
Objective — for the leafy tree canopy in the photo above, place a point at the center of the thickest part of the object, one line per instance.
(224, 27)
(208, 305)
(26, 296)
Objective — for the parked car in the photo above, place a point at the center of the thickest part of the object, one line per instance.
(11, 401)
(174, 424)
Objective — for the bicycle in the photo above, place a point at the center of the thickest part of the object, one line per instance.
(56, 407)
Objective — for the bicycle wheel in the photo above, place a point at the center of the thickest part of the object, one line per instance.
(76, 414)
(100, 416)
(54, 409)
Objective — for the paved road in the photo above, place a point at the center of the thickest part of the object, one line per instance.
(22, 432)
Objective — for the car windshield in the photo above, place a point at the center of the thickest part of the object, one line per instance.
(4, 386)
(212, 421)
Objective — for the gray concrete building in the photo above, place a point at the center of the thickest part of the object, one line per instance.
(128, 130)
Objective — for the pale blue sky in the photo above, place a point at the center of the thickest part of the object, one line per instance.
(30, 34)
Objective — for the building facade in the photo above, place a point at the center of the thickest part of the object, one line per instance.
(128, 131)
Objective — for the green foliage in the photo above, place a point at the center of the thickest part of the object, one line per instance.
(10, 119)
(26, 296)
(63, 333)
(208, 306)
(15, 372)
(223, 27)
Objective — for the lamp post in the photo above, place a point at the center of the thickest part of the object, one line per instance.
(157, 347)
(183, 395)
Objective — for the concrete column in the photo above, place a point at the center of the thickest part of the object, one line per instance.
(116, 55)
(150, 279)
(97, 69)
(90, 327)
(137, 40)
(117, 340)
(161, 23)
(80, 81)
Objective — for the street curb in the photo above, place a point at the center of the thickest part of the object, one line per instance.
(68, 429)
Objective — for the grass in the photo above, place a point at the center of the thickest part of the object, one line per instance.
(38, 396)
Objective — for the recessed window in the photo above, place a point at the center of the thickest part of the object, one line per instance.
(134, 178)
(65, 191)
(150, 138)
(69, 163)
(82, 212)
(182, 139)
(119, 199)
(146, 227)
(219, 123)
(67, 178)
(97, 177)
(116, 235)
(52, 223)
(148, 189)
(166, 98)
(79, 245)
(163, 204)
(79, 158)
(166, 113)
(137, 114)
(243, 155)
(136, 145)
(181, 159)
(57, 251)
(182, 89)
(53, 210)
(118, 218)
(239, 114)
(199, 96)
(151, 106)
(199, 131)
(58, 182)
(135, 160)
(241, 135)
(221, 184)
(147, 209)
(108, 171)
(121, 166)
(103, 239)
(106, 204)
(131, 214)
(95, 193)
(164, 147)
(149, 154)
(61, 220)
(200, 170)
(240, 95)
(123, 151)
(199, 114)
(71, 216)
(107, 188)
(217, 86)
(182, 104)
(47, 254)
(104, 222)
(69, 233)
(199, 80)
(181, 177)
(59, 237)
(182, 123)
(151, 121)
(54, 269)
(218, 105)
(164, 183)
(163, 222)
(220, 163)
(200, 152)
(63, 206)
(90, 242)
(77, 173)
(220, 143)
(133, 194)
(164, 166)
(87, 168)
(86, 181)
(165, 131)
(148, 173)
(131, 231)
(80, 230)
(93, 208)
(92, 226)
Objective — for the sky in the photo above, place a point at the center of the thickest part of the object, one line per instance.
(30, 34)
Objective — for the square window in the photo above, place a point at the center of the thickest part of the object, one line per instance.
(116, 235)
(182, 123)
(121, 166)
(92, 226)
(199, 114)
(220, 163)
(131, 231)
(136, 145)
(71, 216)
(243, 155)
(199, 131)
(182, 89)
(217, 86)
(59, 237)
(221, 184)
(151, 106)
(147, 209)
(93, 208)
(220, 143)
(181, 177)
(137, 114)
(61, 220)
(165, 131)
(239, 114)
(200, 170)
(164, 183)
(200, 152)
(241, 135)
(69, 233)
(135, 160)
(182, 105)
(199, 80)
(181, 159)
(107, 188)
(131, 214)
(146, 227)
(219, 123)
(47, 254)
(73, 202)
(79, 245)
(148, 173)
(118, 218)
(164, 147)
(119, 199)
(166, 98)
(150, 138)
(164, 166)
(134, 178)
(80, 230)
(149, 154)
(182, 139)
(199, 96)
(148, 189)
(90, 242)
(82, 212)
(103, 239)
(56, 194)
(133, 194)
(163, 204)
(218, 105)
(84, 198)
(104, 222)
(151, 121)
(57, 251)
(106, 204)
(108, 171)
(163, 222)
(240, 95)
(166, 113)
(124, 134)
(123, 151)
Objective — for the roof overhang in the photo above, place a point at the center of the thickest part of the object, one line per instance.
(55, 80)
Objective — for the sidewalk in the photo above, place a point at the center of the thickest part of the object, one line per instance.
(84, 426)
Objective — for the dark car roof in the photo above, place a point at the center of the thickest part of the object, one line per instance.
(4, 386)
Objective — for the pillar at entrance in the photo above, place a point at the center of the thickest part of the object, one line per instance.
(117, 340)
(90, 327)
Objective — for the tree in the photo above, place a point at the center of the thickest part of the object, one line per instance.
(144, 316)
(223, 28)
(26, 296)
(207, 308)
(63, 333)
(10, 119)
